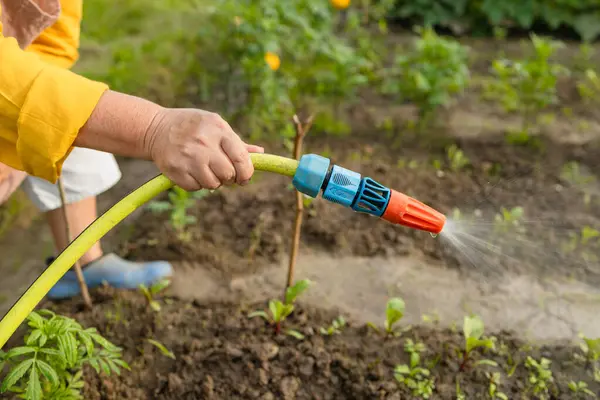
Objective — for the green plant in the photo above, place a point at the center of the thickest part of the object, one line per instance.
(527, 85)
(394, 311)
(591, 350)
(508, 219)
(413, 375)
(473, 330)
(279, 311)
(540, 376)
(456, 158)
(573, 173)
(335, 328)
(155, 289)
(581, 388)
(429, 74)
(578, 240)
(162, 348)
(494, 379)
(589, 87)
(180, 201)
(484, 16)
(50, 364)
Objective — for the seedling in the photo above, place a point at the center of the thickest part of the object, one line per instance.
(508, 219)
(589, 87)
(540, 376)
(50, 364)
(473, 330)
(430, 74)
(527, 85)
(180, 201)
(155, 289)
(572, 173)
(581, 389)
(494, 378)
(456, 158)
(162, 348)
(414, 376)
(591, 351)
(279, 311)
(586, 236)
(335, 328)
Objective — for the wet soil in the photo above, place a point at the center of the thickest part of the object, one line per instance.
(221, 354)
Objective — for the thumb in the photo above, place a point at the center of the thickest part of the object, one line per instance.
(254, 149)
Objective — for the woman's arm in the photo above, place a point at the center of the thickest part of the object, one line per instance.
(42, 109)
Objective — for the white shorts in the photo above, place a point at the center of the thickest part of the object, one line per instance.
(85, 173)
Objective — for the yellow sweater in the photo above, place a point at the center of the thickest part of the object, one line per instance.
(43, 105)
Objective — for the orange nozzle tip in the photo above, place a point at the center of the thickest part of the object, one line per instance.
(406, 211)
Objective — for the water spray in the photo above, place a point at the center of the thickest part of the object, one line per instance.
(311, 175)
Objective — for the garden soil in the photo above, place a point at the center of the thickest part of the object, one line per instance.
(219, 353)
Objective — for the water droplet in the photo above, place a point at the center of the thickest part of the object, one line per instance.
(433, 235)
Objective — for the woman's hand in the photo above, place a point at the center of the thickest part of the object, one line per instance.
(198, 149)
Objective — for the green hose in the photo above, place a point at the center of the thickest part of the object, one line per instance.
(42, 285)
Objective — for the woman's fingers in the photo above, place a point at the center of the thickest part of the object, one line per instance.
(252, 148)
(237, 152)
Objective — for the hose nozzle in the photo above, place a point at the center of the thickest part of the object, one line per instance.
(405, 210)
(350, 189)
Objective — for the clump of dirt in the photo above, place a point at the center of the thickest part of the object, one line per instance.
(241, 230)
(221, 354)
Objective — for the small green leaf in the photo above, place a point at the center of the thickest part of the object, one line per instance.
(160, 286)
(33, 337)
(473, 327)
(48, 372)
(103, 342)
(19, 351)
(34, 389)
(35, 320)
(491, 363)
(394, 312)
(261, 314)
(295, 334)
(292, 293)
(166, 352)
(15, 374)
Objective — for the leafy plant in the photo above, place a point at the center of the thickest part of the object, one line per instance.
(279, 311)
(473, 330)
(508, 219)
(50, 364)
(581, 388)
(589, 87)
(573, 173)
(456, 158)
(335, 328)
(581, 239)
(591, 350)
(527, 85)
(540, 376)
(494, 378)
(180, 201)
(394, 312)
(413, 375)
(430, 74)
(155, 289)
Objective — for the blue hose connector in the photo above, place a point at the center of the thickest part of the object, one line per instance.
(311, 173)
(372, 197)
(342, 186)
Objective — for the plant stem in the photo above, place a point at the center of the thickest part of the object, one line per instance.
(87, 300)
(463, 364)
(277, 327)
(301, 130)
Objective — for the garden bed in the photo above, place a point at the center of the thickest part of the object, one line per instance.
(221, 354)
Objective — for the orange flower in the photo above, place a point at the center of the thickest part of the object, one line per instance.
(340, 4)
(272, 60)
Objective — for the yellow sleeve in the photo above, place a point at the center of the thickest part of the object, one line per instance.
(59, 44)
(42, 109)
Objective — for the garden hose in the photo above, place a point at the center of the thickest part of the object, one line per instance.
(311, 175)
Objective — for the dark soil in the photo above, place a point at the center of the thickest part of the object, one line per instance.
(221, 354)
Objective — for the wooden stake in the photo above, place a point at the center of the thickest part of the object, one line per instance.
(87, 300)
(301, 131)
